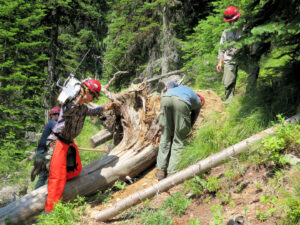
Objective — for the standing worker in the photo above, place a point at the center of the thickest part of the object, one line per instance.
(179, 109)
(40, 166)
(65, 163)
(231, 15)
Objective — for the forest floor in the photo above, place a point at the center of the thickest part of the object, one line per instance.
(245, 191)
(245, 199)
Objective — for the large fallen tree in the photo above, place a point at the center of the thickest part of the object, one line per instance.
(134, 126)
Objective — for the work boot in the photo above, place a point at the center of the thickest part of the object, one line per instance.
(160, 174)
(170, 174)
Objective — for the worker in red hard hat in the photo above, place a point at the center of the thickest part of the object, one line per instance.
(41, 151)
(231, 15)
(65, 162)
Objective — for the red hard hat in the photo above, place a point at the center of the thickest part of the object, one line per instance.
(231, 14)
(94, 86)
(202, 100)
(55, 110)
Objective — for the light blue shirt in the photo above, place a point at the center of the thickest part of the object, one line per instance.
(186, 94)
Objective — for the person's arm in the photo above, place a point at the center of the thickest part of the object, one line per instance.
(221, 53)
(194, 116)
(219, 66)
(95, 111)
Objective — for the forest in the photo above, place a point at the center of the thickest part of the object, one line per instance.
(44, 41)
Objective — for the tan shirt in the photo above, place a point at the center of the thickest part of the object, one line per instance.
(227, 54)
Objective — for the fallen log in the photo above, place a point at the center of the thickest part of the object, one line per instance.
(137, 118)
(100, 138)
(185, 174)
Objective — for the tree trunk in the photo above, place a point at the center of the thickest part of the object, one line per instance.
(137, 115)
(50, 99)
(185, 174)
(166, 40)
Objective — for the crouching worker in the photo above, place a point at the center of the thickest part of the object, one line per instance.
(179, 109)
(65, 162)
(41, 166)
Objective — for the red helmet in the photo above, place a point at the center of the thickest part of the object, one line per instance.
(231, 14)
(55, 110)
(94, 86)
(202, 100)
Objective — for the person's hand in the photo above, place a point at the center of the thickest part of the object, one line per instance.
(38, 166)
(219, 67)
(110, 106)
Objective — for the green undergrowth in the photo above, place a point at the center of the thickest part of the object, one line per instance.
(90, 128)
(64, 213)
(222, 130)
(281, 191)
(173, 206)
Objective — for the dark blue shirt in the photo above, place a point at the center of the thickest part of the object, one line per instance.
(47, 131)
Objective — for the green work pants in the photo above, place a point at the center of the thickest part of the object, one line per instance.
(229, 80)
(42, 180)
(47, 155)
(251, 67)
(175, 121)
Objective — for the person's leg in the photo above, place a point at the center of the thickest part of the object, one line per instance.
(78, 167)
(57, 175)
(229, 80)
(43, 176)
(253, 72)
(167, 126)
(182, 119)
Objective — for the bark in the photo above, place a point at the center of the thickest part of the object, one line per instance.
(185, 174)
(100, 138)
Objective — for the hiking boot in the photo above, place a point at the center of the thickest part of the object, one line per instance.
(160, 174)
(170, 174)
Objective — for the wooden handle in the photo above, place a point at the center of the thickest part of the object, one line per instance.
(91, 149)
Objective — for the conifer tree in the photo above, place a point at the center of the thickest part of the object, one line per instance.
(137, 39)
(77, 29)
(22, 75)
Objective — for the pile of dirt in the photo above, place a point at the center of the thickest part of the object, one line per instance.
(213, 103)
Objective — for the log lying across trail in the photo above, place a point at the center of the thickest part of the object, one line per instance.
(135, 129)
(185, 174)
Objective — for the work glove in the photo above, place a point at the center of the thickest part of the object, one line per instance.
(110, 106)
(39, 165)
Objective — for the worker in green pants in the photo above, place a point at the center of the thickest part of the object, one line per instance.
(179, 109)
(226, 56)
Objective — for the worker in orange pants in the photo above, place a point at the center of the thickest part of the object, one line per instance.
(65, 162)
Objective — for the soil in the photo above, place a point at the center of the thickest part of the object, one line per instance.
(244, 202)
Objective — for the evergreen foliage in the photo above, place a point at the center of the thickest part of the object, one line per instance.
(135, 34)
(22, 75)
